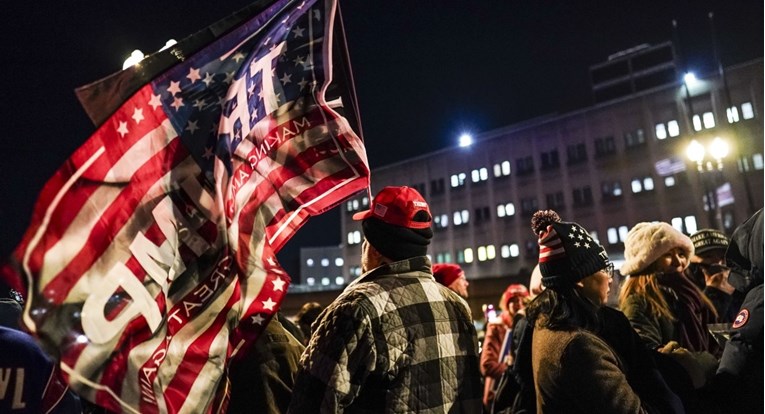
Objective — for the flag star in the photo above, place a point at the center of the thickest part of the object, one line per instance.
(208, 79)
(192, 126)
(580, 237)
(573, 229)
(298, 61)
(298, 31)
(254, 114)
(155, 102)
(175, 87)
(177, 104)
(576, 244)
(251, 90)
(138, 115)
(587, 245)
(193, 75)
(199, 104)
(285, 79)
(302, 83)
(279, 284)
(123, 129)
(229, 77)
(258, 320)
(238, 56)
(269, 304)
(208, 153)
(308, 64)
(317, 15)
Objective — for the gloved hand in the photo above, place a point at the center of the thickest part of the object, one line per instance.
(700, 366)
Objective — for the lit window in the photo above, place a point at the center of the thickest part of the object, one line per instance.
(324, 262)
(482, 253)
(501, 210)
(732, 113)
(491, 252)
(757, 161)
(325, 281)
(677, 223)
(484, 174)
(365, 201)
(617, 190)
(339, 261)
(747, 111)
(648, 184)
(669, 181)
(339, 280)
(709, 120)
(623, 230)
(311, 281)
(309, 262)
(661, 131)
(457, 218)
(690, 224)
(674, 128)
(455, 181)
(475, 176)
(594, 235)
(636, 186)
(468, 255)
(696, 123)
(613, 235)
(354, 237)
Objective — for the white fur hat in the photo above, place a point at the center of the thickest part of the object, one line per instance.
(646, 242)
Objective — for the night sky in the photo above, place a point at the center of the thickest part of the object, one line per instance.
(425, 71)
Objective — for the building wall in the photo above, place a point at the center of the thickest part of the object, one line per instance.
(616, 124)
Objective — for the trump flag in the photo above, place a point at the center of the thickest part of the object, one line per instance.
(150, 257)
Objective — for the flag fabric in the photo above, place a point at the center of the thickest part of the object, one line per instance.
(151, 252)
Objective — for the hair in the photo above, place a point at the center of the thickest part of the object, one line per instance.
(646, 284)
(563, 309)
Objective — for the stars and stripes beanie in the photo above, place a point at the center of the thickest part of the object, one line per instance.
(567, 253)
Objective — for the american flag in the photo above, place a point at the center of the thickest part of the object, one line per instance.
(151, 253)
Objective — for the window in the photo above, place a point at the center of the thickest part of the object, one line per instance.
(750, 162)
(525, 165)
(437, 186)
(480, 174)
(339, 261)
(509, 250)
(747, 111)
(354, 237)
(668, 129)
(529, 206)
(461, 217)
(441, 221)
(617, 234)
(351, 206)
(582, 196)
(355, 271)
(642, 184)
(486, 253)
(482, 214)
(505, 210)
(732, 114)
(324, 262)
(555, 200)
(550, 160)
(604, 146)
(465, 255)
(502, 169)
(576, 153)
(309, 262)
(339, 280)
(458, 180)
(611, 189)
(311, 281)
(705, 121)
(669, 181)
(634, 138)
(685, 224)
(443, 257)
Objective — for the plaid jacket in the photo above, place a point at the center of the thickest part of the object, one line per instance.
(395, 341)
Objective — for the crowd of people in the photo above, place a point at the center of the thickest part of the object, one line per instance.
(685, 336)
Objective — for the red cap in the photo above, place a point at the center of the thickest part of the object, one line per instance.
(397, 206)
(446, 273)
(512, 291)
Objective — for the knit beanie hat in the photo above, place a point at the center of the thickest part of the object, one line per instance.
(516, 289)
(567, 253)
(447, 273)
(397, 223)
(646, 242)
(706, 240)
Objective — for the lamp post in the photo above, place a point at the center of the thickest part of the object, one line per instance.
(709, 169)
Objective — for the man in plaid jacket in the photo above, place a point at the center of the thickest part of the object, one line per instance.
(395, 340)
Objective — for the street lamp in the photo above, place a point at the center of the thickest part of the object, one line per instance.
(709, 169)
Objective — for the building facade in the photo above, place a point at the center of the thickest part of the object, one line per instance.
(607, 167)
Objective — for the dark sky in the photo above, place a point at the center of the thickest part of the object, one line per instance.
(424, 70)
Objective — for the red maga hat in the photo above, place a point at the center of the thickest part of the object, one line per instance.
(447, 273)
(397, 206)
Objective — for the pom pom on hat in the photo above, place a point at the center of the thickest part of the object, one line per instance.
(567, 253)
(447, 273)
(646, 242)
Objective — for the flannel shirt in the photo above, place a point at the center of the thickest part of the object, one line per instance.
(395, 341)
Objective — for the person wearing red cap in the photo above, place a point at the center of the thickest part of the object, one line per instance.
(451, 276)
(497, 353)
(395, 340)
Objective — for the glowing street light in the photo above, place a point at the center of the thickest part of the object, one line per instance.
(466, 140)
(689, 78)
(709, 171)
(135, 57)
